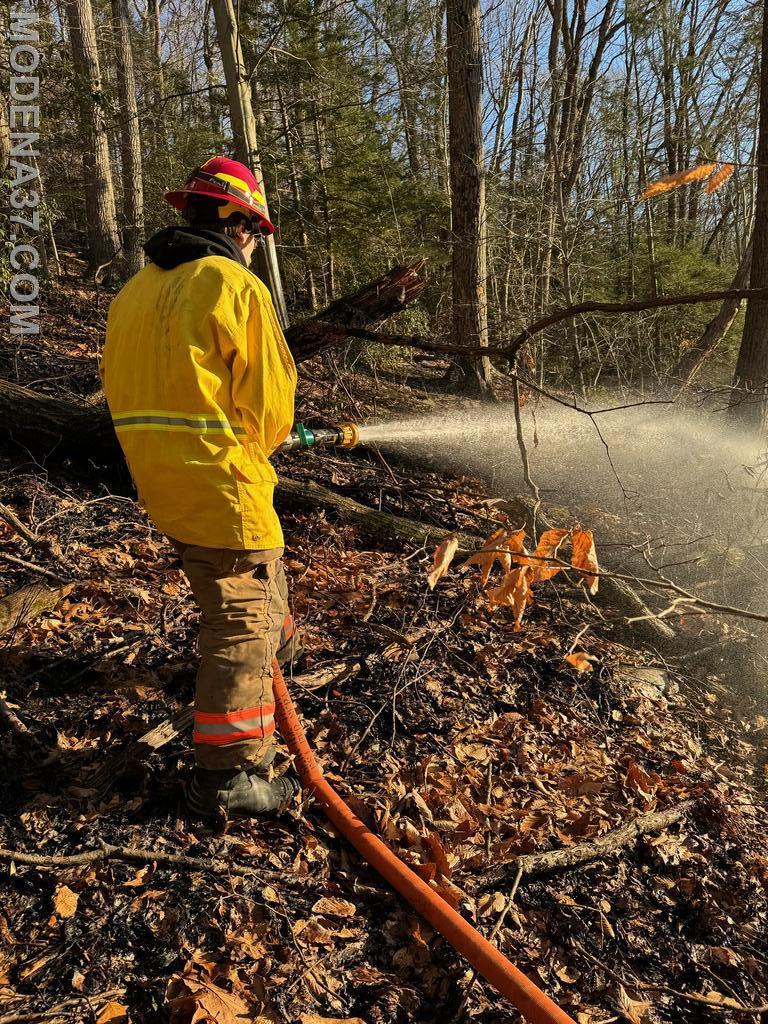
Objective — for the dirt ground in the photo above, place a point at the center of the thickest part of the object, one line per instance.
(462, 741)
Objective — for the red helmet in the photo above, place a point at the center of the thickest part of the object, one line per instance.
(228, 180)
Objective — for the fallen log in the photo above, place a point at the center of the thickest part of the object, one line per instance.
(292, 494)
(29, 602)
(370, 306)
(608, 845)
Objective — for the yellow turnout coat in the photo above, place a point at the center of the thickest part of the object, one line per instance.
(200, 384)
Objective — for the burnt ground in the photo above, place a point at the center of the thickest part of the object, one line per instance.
(462, 741)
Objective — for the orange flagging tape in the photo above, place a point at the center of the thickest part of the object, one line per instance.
(510, 982)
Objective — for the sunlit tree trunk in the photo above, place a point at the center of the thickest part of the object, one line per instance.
(749, 398)
(465, 116)
(309, 276)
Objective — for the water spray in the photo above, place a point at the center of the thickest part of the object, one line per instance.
(341, 435)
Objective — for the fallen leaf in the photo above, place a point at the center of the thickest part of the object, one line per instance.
(113, 1012)
(330, 906)
(584, 558)
(442, 559)
(65, 901)
(196, 1001)
(580, 661)
(633, 1010)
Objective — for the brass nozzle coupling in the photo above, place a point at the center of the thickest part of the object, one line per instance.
(350, 435)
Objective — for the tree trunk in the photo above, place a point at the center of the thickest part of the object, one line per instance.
(309, 276)
(329, 271)
(130, 140)
(692, 360)
(749, 398)
(467, 172)
(244, 131)
(100, 214)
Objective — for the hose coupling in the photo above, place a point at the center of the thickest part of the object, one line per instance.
(350, 435)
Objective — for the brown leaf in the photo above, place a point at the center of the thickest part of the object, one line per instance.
(548, 545)
(65, 901)
(113, 1012)
(438, 855)
(513, 592)
(197, 1001)
(584, 557)
(580, 661)
(442, 559)
(633, 1010)
(497, 548)
(331, 906)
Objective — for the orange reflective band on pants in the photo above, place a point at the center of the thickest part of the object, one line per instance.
(233, 726)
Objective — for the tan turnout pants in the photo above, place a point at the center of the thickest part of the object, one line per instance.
(245, 623)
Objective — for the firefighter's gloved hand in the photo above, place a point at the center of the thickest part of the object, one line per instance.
(237, 793)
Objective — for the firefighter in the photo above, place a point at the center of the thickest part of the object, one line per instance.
(200, 385)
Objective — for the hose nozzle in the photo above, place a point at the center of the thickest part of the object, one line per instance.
(345, 435)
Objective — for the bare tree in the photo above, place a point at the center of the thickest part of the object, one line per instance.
(130, 140)
(244, 130)
(101, 217)
(749, 398)
(467, 172)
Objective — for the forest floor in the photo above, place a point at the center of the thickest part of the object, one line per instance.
(462, 741)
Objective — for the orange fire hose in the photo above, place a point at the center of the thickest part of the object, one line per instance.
(485, 958)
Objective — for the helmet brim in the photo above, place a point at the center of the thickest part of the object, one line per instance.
(179, 199)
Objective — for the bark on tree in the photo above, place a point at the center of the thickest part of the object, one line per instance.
(467, 173)
(101, 217)
(298, 205)
(130, 140)
(749, 398)
(244, 131)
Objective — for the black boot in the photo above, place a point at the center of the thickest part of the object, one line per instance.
(236, 793)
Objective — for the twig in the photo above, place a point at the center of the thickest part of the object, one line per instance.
(556, 316)
(14, 722)
(54, 1011)
(607, 845)
(132, 853)
(496, 928)
(30, 565)
(13, 520)
(663, 584)
(649, 986)
(529, 482)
